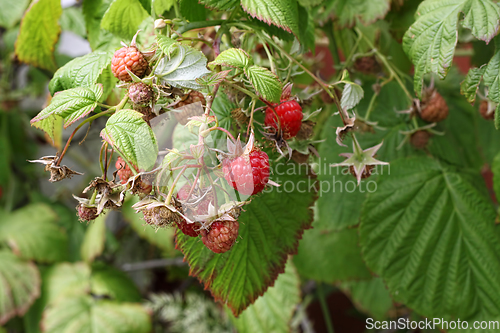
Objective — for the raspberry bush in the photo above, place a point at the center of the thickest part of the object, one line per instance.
(285, 151)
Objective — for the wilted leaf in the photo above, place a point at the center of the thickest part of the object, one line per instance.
(39, 33)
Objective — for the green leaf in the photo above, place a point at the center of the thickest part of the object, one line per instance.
(273, 311)
(281, 13)
(491, 74)
(162, 6)
(269, 229)
(65, 280)
(223, 5)
(347, 12)
(265, 82)
(111, 282)
(85, 314)
(481, 17)
(72, 20)
(497, 117)
(370, 297)
(330, 257)
(459, 133)
(12, 12)
(166, 44)
(351, 95)
(495, 168)
(123, 18)
(307, 29)
(428, 231)
(192, 10)
(80, 72)
(183, 68)
(235, 58)
(222, 108)
(19, 286)
(32, 232)
(213, 78)
(39, 33)
(99, 39)
(127, 132)
(93, 242)
(53, 126)
(430, 42)
(71, 105)
(469, 86)
(163, 239)
(337, 185)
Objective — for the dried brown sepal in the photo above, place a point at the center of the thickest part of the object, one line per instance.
(57, 172)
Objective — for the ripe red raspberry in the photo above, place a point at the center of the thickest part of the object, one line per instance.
(248, 174)
(221, 236)
(86, 213)
(131, 58)
(290, 118)
(140, 93)
(419, 139)
(434, 107)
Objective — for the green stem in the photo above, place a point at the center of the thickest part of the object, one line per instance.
(371, 106)
(243, 90)
(268, 52)
(94, 195)
(386, 63)
(171, 192)
(176, 9)
(324, 308)
(90, 119)
(199, 25)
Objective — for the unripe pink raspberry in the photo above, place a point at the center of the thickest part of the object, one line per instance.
(131, 58)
